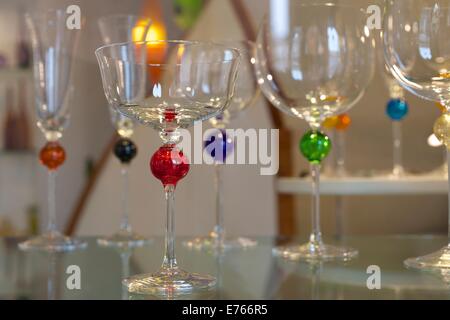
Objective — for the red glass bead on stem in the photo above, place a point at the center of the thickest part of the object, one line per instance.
(169, 165)
(52, 155)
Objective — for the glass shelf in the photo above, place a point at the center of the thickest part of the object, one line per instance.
(376, 185)
(242, 273)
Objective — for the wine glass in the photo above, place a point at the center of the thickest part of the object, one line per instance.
(53, 47)
(196, 83)
(219, 146)
(417, 52)
(115, 29)
(312, 63)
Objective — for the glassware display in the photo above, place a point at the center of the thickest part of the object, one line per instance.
(195, 83)
(53, 48)
(117, 29)
(313, 62)
(219, 146)
(417, 52)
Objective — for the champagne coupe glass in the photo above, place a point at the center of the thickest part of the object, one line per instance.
(195, 83)
(115, 29)
(417, 52)
(312, 63)
(53, 47)
(219, 146)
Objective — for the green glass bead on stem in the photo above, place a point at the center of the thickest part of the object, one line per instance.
(315, 146)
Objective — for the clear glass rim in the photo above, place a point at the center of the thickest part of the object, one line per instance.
(123, 15)
(230, 42)
(427, 6)
(43, 13)
(235, 57)
(327, 4)
(295, 3)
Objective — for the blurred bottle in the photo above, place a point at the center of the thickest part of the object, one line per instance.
(10, 123)
(23, 52)
(33, 220)
(23, 124)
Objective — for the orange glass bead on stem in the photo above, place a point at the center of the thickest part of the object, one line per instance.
(343, 123)
(52, 156)
(340, 124)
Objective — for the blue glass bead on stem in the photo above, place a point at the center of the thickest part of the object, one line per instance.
(219, 145)
(397, 109)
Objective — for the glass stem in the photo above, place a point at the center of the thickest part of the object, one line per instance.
(170, 261)
(219, 230)
(51, 281)
(316, 235)
(340, 153)
(125, 259)
(125, 223)
(51, 225)
(397, 148)
(448, 173)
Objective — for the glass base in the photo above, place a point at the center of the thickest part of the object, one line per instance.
(313, 252)
(52, 242)
(397, 173)
(439, 260)
(123, 239)
(169, 282)
(211, 242)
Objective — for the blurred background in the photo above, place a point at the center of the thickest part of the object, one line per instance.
(88, 185)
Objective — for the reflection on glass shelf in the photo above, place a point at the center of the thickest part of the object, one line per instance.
(18, 185)
(241, 274)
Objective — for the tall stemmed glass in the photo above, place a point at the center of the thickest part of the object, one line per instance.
(219, 146)
(53, 47)
(195, 84)
(396, 109)
(417, 51)
(116, 29)
(314, 63)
